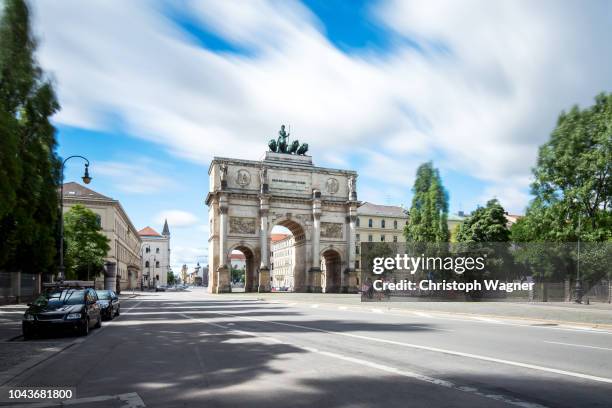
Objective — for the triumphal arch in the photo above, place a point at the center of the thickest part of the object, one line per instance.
(247, 198)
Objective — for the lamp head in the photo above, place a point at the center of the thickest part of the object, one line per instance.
(86, 178)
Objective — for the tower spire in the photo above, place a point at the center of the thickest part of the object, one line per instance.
(166, 231)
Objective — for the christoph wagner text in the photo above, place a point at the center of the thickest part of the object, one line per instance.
(428, 263)
(490, 285)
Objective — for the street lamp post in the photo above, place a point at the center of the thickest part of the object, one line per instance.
(86, 179)
(578, 283)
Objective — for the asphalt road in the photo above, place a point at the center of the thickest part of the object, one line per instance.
(191, 349)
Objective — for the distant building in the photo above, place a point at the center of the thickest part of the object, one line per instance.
(238, 260)
(155, 256)
(282, 260)
(454, 220)
(124, 239)
(512, 219)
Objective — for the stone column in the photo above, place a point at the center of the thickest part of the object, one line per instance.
(314, 284)
(347, 275)
(264, 268)
(223, 272)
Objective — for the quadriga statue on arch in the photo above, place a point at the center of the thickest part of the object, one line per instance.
(281, 145)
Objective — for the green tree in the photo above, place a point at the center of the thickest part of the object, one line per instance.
(171, 278)
(238, 275)
(486, 224)
(573, 178)
(573, 185)
(29, 169)
(86, 245)
(429, 210)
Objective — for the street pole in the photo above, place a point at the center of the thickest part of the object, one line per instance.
(578, 283)
(86, 180)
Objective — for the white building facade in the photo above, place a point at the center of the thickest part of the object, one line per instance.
(155, 256)
(282, 261)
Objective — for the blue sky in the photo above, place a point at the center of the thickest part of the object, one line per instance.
(151, 91)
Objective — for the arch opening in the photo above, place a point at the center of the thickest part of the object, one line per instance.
(288, 257)
(243, 272)
(331, 271)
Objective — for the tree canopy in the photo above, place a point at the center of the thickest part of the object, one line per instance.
(429, 210)
(573, 179)
(486, 224)
(86, 245)
(29, 170)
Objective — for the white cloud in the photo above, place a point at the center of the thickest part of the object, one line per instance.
(481, 93)
(137, 177)
(177, 218)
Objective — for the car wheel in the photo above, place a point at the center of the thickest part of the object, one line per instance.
(99, 322)
(28, 335)
(85, 328)
(111, 315)
(118, 307)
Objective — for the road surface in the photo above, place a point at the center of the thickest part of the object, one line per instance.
(192, 349)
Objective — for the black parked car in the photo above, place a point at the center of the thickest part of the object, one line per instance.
(74, 310)
(109, 304)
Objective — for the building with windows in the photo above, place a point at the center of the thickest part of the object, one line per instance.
(155, 256)
(237, 260)
(124, 254)
(378, 223)
(282, 261)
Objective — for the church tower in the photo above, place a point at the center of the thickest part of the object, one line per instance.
(166, 230)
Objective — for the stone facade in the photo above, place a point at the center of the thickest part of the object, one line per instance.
(124, 243)
(155, 256)
(282, 262)
(318, 205)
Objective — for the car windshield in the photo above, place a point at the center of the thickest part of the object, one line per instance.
(103, 294)
(65, 297)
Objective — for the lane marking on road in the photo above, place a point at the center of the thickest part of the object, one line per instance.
(314, 306)
(374, 310)
(437, 350)
(342, 307)
(490, 320)
(487, 319)
(381, 367)
(578, 345)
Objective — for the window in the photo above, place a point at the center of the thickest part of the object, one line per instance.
(157, 250)
(370, 223)
(382, 238)
(147, 264)
(357, 249)
(395, 224)
(382, 224)
(370, 238)
(157, 264)
(356, 264)
(357, 237)
(98, 220)
(395, 238)
(147, 250)
(357, 221)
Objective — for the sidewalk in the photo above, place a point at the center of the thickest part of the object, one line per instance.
(594, 315)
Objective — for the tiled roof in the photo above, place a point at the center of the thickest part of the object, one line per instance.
(77, 190)
(238, 256)
(279, 237)
(148, 232)
(368, 208)
(455, 217)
